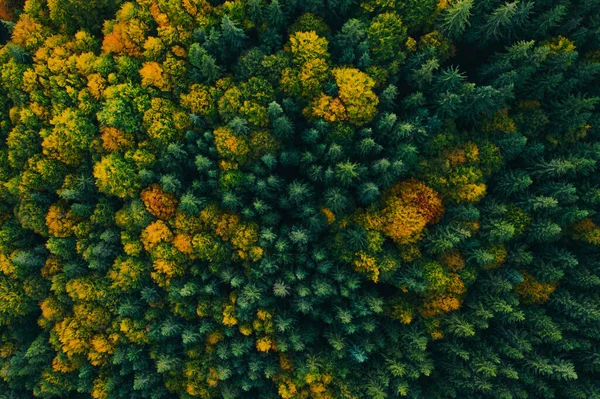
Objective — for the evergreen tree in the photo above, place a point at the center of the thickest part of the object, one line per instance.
(299, 199)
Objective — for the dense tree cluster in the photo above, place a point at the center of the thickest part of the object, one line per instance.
(300, 199)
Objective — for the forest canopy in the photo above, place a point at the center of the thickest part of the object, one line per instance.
(300, 199)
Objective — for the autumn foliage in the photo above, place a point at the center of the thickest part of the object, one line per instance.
(9, 9)
(299, 199)
(405, 211)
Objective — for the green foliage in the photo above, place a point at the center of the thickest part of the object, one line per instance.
(300, 199)
(455, 18)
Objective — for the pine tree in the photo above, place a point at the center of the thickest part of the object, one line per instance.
(294, 199)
